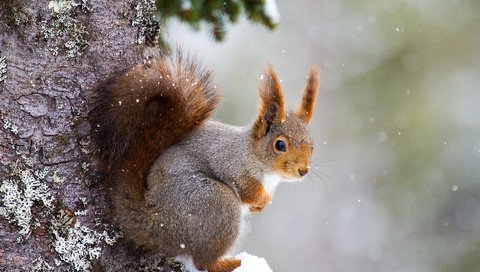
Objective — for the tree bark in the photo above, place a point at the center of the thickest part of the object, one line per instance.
(54, 213)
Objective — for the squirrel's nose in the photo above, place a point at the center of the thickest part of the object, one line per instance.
(302, 171)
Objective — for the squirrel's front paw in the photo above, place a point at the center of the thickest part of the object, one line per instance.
(254, 195)
(261, 202)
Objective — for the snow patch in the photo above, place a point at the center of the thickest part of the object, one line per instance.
(186, 5)
(271, 10)
(252, 263)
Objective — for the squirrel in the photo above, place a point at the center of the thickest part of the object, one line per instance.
(181, 183)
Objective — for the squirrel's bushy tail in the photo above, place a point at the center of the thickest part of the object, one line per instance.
(144, 110)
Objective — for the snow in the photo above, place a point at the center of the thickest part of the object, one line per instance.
(186, 5)
(252, 263)
(271, 11)
(382, 136)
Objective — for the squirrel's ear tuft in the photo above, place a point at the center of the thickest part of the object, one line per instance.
(271, 109)
(305, 110)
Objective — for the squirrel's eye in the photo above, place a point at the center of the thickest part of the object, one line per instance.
(280, 146)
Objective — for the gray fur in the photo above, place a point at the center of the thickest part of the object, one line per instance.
(193, 183)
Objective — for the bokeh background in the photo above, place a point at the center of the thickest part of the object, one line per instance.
(396, 182)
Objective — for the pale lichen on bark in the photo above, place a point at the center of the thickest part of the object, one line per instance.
(43, 136)
(19, 192)
(62, 30)
(40, 265)
(144, 19)
(3, 69)
(77, 244)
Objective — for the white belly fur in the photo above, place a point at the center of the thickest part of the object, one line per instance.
(270, 182)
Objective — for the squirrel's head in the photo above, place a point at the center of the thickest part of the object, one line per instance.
(281, 138)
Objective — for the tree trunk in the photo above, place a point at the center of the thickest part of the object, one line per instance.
(54, 214)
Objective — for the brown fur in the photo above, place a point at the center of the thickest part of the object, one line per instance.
(271, 110)
(295, 160)
(175, 95)
(253, 194)
(224, 265)
(305, 110)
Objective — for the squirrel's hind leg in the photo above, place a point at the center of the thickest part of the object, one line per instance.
(221, 265)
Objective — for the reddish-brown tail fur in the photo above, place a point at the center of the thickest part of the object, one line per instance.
(142, 111)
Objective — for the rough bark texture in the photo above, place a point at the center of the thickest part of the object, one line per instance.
(51, 59)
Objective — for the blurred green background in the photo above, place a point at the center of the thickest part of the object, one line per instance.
(396, 182)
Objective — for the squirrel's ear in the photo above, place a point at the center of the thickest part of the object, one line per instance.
(271, 109)
(305, 110)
